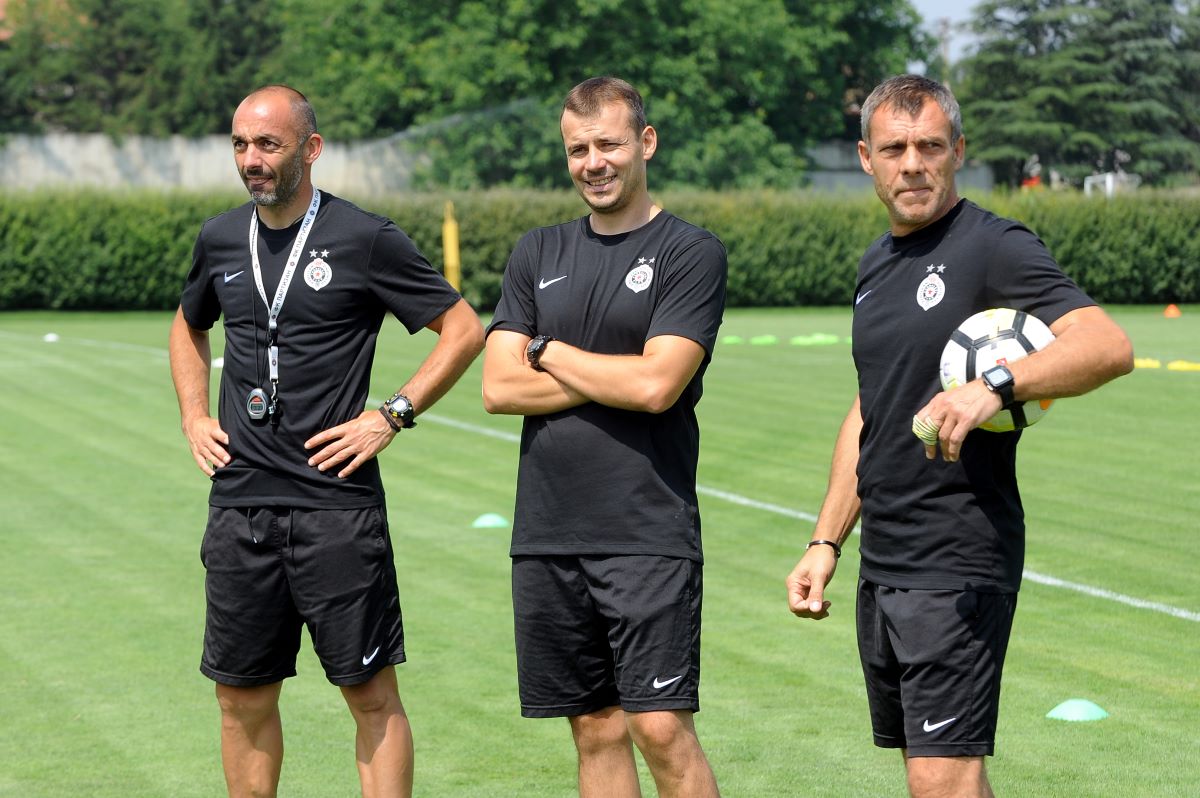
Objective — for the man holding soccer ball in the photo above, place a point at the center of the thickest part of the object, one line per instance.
(942, 540)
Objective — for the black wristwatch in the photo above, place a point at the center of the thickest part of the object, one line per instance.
(533, 352)
(399, 412)
(999, 380)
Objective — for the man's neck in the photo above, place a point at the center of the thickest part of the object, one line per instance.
(631, 217)
(279, 217)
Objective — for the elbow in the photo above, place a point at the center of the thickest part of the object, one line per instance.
(1120, 357)
(1125, 358)
(472, 341)
(460, 326)
(657, 398)
(491, 402)
(495, 401)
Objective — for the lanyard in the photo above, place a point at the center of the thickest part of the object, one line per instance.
(273, 308)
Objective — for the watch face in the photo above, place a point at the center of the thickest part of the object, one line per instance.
(399, 405)
(997, 376)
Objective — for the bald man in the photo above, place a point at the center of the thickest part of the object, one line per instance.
(297, 531)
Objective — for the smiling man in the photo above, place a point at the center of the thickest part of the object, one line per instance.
(603, 332)
(942, 541)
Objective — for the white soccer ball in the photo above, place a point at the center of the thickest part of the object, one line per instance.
(991, 337)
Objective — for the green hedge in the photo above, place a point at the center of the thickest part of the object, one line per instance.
(132, 250)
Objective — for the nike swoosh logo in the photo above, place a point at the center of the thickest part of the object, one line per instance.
(863, 295)
(229, 276)
(935, 726)
(367, 660)
(544, 282)
(660, 685)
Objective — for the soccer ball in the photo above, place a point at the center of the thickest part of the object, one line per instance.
(990, 337)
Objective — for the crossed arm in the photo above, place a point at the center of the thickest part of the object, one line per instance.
(460, 338)
(650, 382)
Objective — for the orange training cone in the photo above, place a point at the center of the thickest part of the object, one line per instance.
(1172, 311)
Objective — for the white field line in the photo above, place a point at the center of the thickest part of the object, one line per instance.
(716, 493)
(118, 345)
(1121, 598)
(745, 501)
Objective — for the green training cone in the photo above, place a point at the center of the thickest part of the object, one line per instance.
(490, 521)
(816, 339)
(1077, 709)
(764, 340)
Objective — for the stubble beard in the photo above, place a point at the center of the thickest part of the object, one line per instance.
(617, 203)
(287, 183)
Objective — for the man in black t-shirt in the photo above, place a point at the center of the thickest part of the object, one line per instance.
(601, 338)
(942, 542)
(297, 532)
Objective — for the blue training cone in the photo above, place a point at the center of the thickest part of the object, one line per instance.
(1076, 709)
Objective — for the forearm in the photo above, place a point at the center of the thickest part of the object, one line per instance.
(460, 339)
(841, 507)
(191, 359)
(1089, 350)
(512, 387)
(650, 382)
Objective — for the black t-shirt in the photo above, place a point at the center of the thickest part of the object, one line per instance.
(355, 267)
(932, 524)
(596, 479)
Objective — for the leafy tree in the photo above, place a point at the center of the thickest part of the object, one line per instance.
(35, 63)
(150, 67)
(1087, 85)
(226, 42)
(736, 88)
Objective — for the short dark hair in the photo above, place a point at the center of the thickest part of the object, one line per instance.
(302, 110)
(908, 93)
(589, 98)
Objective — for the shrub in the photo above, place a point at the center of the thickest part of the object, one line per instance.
(132, 250)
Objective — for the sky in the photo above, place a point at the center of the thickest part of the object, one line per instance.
(954, 10)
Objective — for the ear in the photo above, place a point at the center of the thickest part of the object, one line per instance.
(313, 147)
(864, 158)
(960, 151)
(649, 142)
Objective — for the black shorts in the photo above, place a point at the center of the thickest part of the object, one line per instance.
(268, 570)
(596, 632)
(932, 661)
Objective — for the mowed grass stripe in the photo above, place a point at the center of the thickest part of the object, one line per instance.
(773, 353)
(783, 712)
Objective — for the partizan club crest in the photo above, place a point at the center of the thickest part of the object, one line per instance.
(640, 277)
(932, 289)
(318, 273)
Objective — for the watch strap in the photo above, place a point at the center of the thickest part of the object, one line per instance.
(1004, 388)
(399, 421)
(533, 352)
(391, 420)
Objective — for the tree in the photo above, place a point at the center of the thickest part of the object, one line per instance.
(1086, 85)
(738, 89)
(35, 62)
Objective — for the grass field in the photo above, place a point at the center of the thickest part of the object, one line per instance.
(101, 589)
